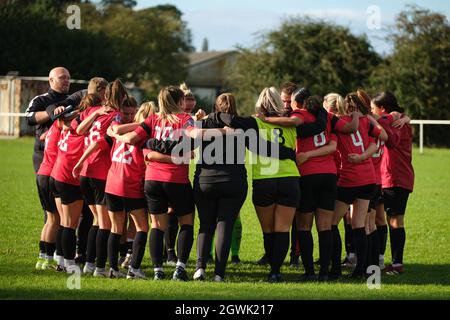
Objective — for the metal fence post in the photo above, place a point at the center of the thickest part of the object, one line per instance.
(421, 138)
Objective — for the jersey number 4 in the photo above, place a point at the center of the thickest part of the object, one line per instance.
(358, 141)
(121, 153)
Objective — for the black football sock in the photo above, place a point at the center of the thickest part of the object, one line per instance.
(280, 248)
(375, 255)
(113, 250)
(398, 238)
(59, 248)
(102, 247)
(170, 236)
(50, 249)
(306, 251)
(349, 246)
(156, 247)
(41, 247)
(360, 240)
(69, 243)
(129, 247)
(325, 245)
(382, 235)
(138, 249)
(91, 244)
(268, 240)
(123, 249)
(184, 243)
(336, 251)
(83, 230)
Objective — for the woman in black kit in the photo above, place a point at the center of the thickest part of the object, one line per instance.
(219, 192)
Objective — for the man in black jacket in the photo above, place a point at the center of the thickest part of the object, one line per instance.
(40, 115)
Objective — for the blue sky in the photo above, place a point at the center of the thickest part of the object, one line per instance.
(231, 22)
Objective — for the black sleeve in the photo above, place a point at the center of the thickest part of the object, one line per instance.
(211, 122)
(109, 140)
(371, 130)
(36, 105)
(236, 122)
(166, 147)
(313, 128)
(282, 154)
(334, 120)
(74, 99)
(146, 128)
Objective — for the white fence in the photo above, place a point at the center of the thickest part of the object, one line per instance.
(421, 123)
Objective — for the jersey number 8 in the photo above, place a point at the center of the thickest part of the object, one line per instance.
(320, 139)
(278, 133)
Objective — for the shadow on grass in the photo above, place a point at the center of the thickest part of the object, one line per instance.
(415, 274)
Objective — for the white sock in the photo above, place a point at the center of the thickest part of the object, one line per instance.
(158, 269)
(42, 255)
(181, 265)
(60, 260)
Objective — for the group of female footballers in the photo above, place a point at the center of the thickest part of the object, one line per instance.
(310, 157)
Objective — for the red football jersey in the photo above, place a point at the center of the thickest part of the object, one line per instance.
(71, 147)
(396, 165)
(126, 174)
(356, 174)
(386, 122)
(337, 125)
(51, 149)
(98, 163)
(316, 165)
(153, 127)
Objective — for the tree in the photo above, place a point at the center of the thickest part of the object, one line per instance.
(34, 40)
(125, 3)
(418, 70)
(323, 56)
(151, 43)
(136, 45)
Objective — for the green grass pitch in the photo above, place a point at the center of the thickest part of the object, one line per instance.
(427, 252)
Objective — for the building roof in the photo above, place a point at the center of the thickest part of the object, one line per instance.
(201, 57)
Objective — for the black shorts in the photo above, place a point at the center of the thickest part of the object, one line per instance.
(377, 198)
(93, 190)
(68, 192)
(53, 190)
(350, 194)
(395, 200)
(45, 193)
(159, 194)
(118, 203)
(283, 191)
(318, 191)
